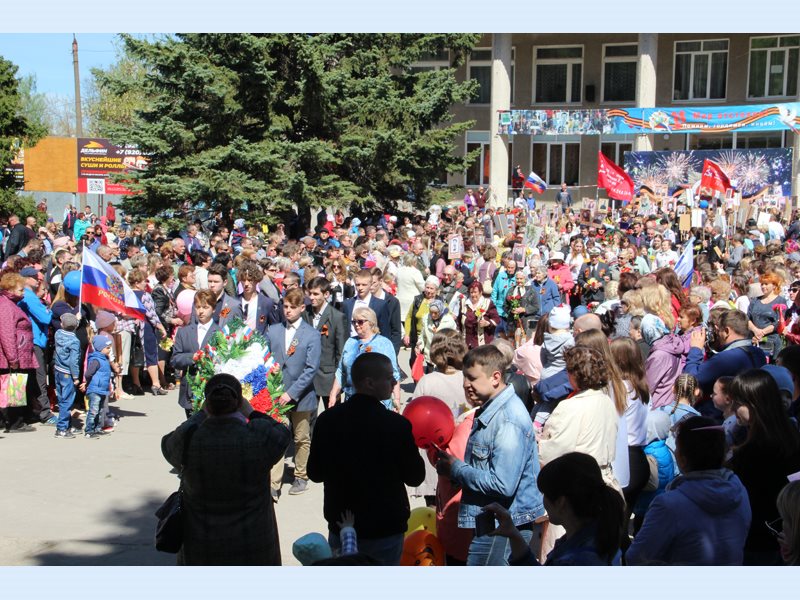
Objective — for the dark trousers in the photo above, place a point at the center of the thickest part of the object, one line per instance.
(38, 400)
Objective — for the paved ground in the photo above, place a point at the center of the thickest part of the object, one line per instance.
(91, 502)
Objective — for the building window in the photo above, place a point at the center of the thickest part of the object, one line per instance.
(711, 141)
(761, 139)
(557, 162)
(773, 66)
(480, 69)
(701, 70)
(615, 151)
(558, 74)
(478, 171)
(431, 61)
(619, 72)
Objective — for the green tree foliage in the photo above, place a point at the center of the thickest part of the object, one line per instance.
(15, 129)
(275, 121)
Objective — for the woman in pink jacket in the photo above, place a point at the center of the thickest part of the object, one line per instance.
(16, 345)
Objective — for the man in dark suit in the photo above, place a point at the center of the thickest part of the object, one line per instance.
(191, 338)
(364, 297)
(349, 455)
(333, 331)
(296, 347)
(18, 236)
(258, 311)
(395, 332)
(594, 292)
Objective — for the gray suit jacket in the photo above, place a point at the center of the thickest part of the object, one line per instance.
(183, 356)
(336, 331)
(300, 368)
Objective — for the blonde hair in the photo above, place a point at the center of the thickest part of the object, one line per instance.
(656, 300)
(634, 300)
(368, 315)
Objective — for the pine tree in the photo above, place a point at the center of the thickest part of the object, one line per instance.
(15, 130)
(268, 123)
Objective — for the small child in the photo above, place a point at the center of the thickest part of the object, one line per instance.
(67, 372)
(106, 323)
(635, 333)
(97, 385)
(658, 426)
(734, 433)
(557, 340)
(687, 393)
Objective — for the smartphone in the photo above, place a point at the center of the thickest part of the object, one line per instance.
(484, 524)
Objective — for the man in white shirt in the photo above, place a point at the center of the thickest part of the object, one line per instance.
(666, 256)
(776, 230)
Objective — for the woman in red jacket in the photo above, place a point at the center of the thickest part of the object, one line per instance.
(16, 345)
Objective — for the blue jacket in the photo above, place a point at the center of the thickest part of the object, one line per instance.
(68, 353)
(39, 315)
(667, 471)
(554, 388)
(102, 377)
(548, 295)
(702, 519)
(579, 550)
(737, 357)
(501, 463)
(502, 284)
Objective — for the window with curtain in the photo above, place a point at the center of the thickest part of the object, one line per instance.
(773, 66)
(701, 70)
(619, 72)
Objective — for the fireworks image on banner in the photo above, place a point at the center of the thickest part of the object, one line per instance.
(752, 170)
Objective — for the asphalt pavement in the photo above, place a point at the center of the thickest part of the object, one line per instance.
(92, 501)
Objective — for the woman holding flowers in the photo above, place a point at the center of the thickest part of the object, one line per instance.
(367, 339)
(478, 317)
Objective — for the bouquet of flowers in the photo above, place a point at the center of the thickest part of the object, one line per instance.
(243, 353)
(514, 302)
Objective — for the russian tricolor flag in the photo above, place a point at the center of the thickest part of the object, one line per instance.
(535, 183)
(103, 287)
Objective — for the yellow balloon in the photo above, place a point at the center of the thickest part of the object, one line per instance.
(422, 518)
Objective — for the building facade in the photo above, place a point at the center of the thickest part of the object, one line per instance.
(605, 71)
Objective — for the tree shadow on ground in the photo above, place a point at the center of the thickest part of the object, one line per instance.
(131, 545)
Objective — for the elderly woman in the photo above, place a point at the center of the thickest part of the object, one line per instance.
(367, 339)
(16, 345)
(478, 317)
(437, 319)
(416, 314)
(224, 453)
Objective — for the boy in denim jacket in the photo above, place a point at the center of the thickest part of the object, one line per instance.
(67, 371)
(98, 382)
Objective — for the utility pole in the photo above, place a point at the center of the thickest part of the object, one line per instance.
(78, 115)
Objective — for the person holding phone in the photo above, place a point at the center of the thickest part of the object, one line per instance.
(501, 461)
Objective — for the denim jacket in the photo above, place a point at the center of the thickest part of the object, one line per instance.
(501, 463)
(68, 353)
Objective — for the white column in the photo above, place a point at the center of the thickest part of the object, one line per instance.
(646, 83)
(501, 100)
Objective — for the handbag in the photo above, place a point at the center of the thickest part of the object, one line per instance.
(12, 390)
(169, 529)
(137, 350)
(418, 368)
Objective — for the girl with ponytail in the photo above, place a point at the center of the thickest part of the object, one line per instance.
(577, 498)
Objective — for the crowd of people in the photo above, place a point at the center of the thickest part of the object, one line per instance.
(607, 409)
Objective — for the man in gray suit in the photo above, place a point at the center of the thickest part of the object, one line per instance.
(296, 348)
(333, 331)
(191, 338)
(226, 308)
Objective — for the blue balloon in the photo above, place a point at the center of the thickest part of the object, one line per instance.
(703, 203)
(72, 283)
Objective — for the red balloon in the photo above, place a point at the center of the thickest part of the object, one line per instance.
(422, 549)
(431, 421)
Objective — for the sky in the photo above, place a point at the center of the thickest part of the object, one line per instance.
(48, 56)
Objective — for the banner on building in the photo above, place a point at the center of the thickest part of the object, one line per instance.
(632, 121)
(99, 159)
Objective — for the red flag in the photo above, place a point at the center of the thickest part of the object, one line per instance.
(713, 177)
(614, 179)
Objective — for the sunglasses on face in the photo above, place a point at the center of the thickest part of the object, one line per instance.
(359, 322)
(794, 290)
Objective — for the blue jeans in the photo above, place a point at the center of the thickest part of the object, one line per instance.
(95, 400)
(492, 551)
(65, 393)
(387, 550)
